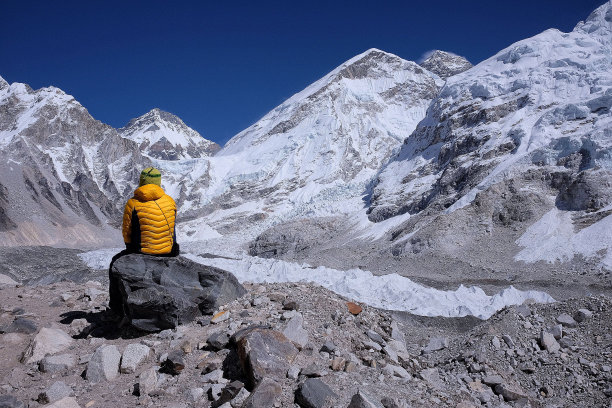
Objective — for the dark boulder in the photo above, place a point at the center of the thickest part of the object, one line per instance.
(314, 393)
(158, 293)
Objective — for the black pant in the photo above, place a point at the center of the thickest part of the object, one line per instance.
(115, 303)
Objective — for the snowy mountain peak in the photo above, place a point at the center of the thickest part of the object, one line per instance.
(3, 84)
(599, 23)
(445, 64)
(162, 135)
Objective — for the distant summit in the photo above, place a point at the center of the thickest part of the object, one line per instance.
(162, 135)
(445, 64)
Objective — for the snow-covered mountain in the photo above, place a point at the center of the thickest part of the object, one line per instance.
(383, 148)
(445, 64)
(528, 131)
(323, 145)
(162, 135)
(62, 173)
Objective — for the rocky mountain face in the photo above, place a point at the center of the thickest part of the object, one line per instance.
(506, 179)
(521, 134)
(62, 173)
(162, 135)
(445, 64)
(323, 145)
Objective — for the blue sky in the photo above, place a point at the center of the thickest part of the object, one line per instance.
(222, 65)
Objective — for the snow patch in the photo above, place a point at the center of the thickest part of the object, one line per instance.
(552, 238)
(391, 292)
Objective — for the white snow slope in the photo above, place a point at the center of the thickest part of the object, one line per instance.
(391, 292)
(531, 105)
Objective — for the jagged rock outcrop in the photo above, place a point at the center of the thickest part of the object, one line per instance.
(445, 64)
(538, 104)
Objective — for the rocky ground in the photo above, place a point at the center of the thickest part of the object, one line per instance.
(61, 346)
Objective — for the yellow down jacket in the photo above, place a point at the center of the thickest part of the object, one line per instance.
(148, 221)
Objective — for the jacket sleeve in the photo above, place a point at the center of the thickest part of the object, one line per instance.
(127, 222)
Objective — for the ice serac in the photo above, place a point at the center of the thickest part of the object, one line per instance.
(323, 145)
(162, 135)
(445, 64)
(526, 130)
(63, 174)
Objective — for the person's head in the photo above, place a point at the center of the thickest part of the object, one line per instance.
(150, 175)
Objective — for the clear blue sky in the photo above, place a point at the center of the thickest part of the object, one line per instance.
(221, 65)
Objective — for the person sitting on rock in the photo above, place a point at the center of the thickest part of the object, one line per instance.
(148, 226)
(149, 218)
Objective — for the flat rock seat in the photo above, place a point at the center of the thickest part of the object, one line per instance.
(157, 293)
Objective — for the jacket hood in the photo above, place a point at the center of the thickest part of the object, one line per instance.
(149, 192)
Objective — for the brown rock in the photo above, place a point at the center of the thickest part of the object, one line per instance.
(354, 308)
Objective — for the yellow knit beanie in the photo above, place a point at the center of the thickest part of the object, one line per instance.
(150, 175)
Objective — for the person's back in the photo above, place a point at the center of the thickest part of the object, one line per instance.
(149, 218)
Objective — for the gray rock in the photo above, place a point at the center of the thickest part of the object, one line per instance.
(566, 320)
(547, 340)
(159, 293)
(133, 355)
(369, 344)
(295, 332)
(493, 380)
(47, 341)
(55, 392)
(9, 401)
(396, 371)
(174, 362)
(264, 353)
(508, 340)
(566, 343)
(364, 400)
(435, 344)
(214, 392)
(510, 392)
(523, 310)
(556, 331)
(328, 347)
(195, 394)
(582, 314)
(66, 402)
(389, 402)
(391, 353)
(214, 376)
(218, 340)
(432, 377)
(495, 342)
(53, 364)
(230, 391)
(264, 395)
(20, 325)
(396, 333)
(376, 337)
(313, 370)
(147, 381)
(314, 393)
(293, 372)
(240, 398)
(104, 364)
